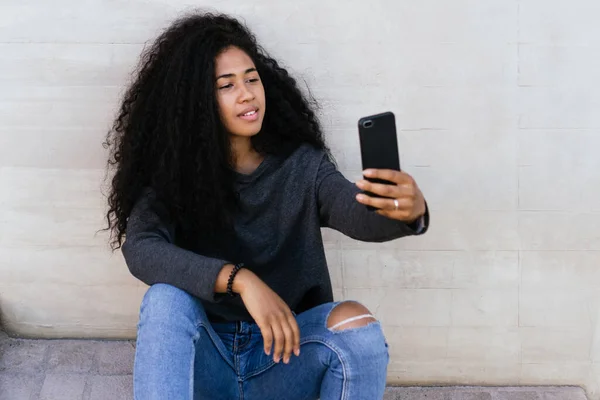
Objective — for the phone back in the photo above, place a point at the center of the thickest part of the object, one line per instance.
(378, 142)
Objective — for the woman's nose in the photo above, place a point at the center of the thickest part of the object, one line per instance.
(246, 94)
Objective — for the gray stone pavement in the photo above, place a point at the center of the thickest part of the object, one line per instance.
(101, 370)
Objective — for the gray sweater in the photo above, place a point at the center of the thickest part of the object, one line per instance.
(284, 204)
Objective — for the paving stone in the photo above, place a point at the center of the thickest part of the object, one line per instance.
(513, 395)
(63, 387)
(416, 393)
(115, 358)
(493, 393)
(71, 356)
(22, 355)
(481, 395)
(17, 386)
(112, 387)
(564, 394)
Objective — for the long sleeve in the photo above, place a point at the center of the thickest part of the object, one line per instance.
(339, 210)
(152, 256)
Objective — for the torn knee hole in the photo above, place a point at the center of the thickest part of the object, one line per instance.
(349, 315)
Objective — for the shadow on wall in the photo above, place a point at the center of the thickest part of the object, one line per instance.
(2, 333)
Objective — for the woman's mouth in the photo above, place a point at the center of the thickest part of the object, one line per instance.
(251, 115)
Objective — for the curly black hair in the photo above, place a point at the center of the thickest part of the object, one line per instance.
(168, 135)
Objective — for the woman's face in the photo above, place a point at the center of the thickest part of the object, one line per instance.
(240, 93)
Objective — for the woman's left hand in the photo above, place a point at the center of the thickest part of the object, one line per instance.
(404, 200)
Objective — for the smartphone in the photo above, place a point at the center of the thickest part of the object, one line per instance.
(378, 145)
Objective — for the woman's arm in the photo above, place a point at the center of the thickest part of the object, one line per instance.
(340, 210)
(152, 256)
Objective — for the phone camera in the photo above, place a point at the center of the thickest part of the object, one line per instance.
(368, 124)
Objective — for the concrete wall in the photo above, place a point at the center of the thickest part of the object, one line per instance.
(497, 105)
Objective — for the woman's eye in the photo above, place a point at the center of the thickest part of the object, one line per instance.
(253, 80)
(226, 86)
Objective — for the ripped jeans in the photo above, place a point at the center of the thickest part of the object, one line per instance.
(181, 355)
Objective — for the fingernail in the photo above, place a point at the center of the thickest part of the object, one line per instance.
(368, 172)
(360, 197)
(297, 352)
(360, 184)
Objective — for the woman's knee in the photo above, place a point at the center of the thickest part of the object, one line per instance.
(163, 302)
(348, 315)
(357, 333)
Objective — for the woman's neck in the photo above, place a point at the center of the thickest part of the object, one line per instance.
(245, 157)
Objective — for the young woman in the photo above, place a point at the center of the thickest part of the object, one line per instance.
(221, 183)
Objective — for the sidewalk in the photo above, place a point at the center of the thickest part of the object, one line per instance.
(101, 370)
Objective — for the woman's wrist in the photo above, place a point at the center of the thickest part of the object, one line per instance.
(240, 280)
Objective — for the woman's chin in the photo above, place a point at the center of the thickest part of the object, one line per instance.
(245, 133)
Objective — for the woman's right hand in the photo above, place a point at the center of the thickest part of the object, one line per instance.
(277, 324)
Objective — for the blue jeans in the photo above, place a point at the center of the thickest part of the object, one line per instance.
(181, 355)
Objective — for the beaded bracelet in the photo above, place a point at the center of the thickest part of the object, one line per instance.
(234, 271)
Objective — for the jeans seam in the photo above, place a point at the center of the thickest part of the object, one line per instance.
(258, 372)
(245, 342)
(342, 362)
(212, 339)
(236, 361)
(241, 388)
(193, 363)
